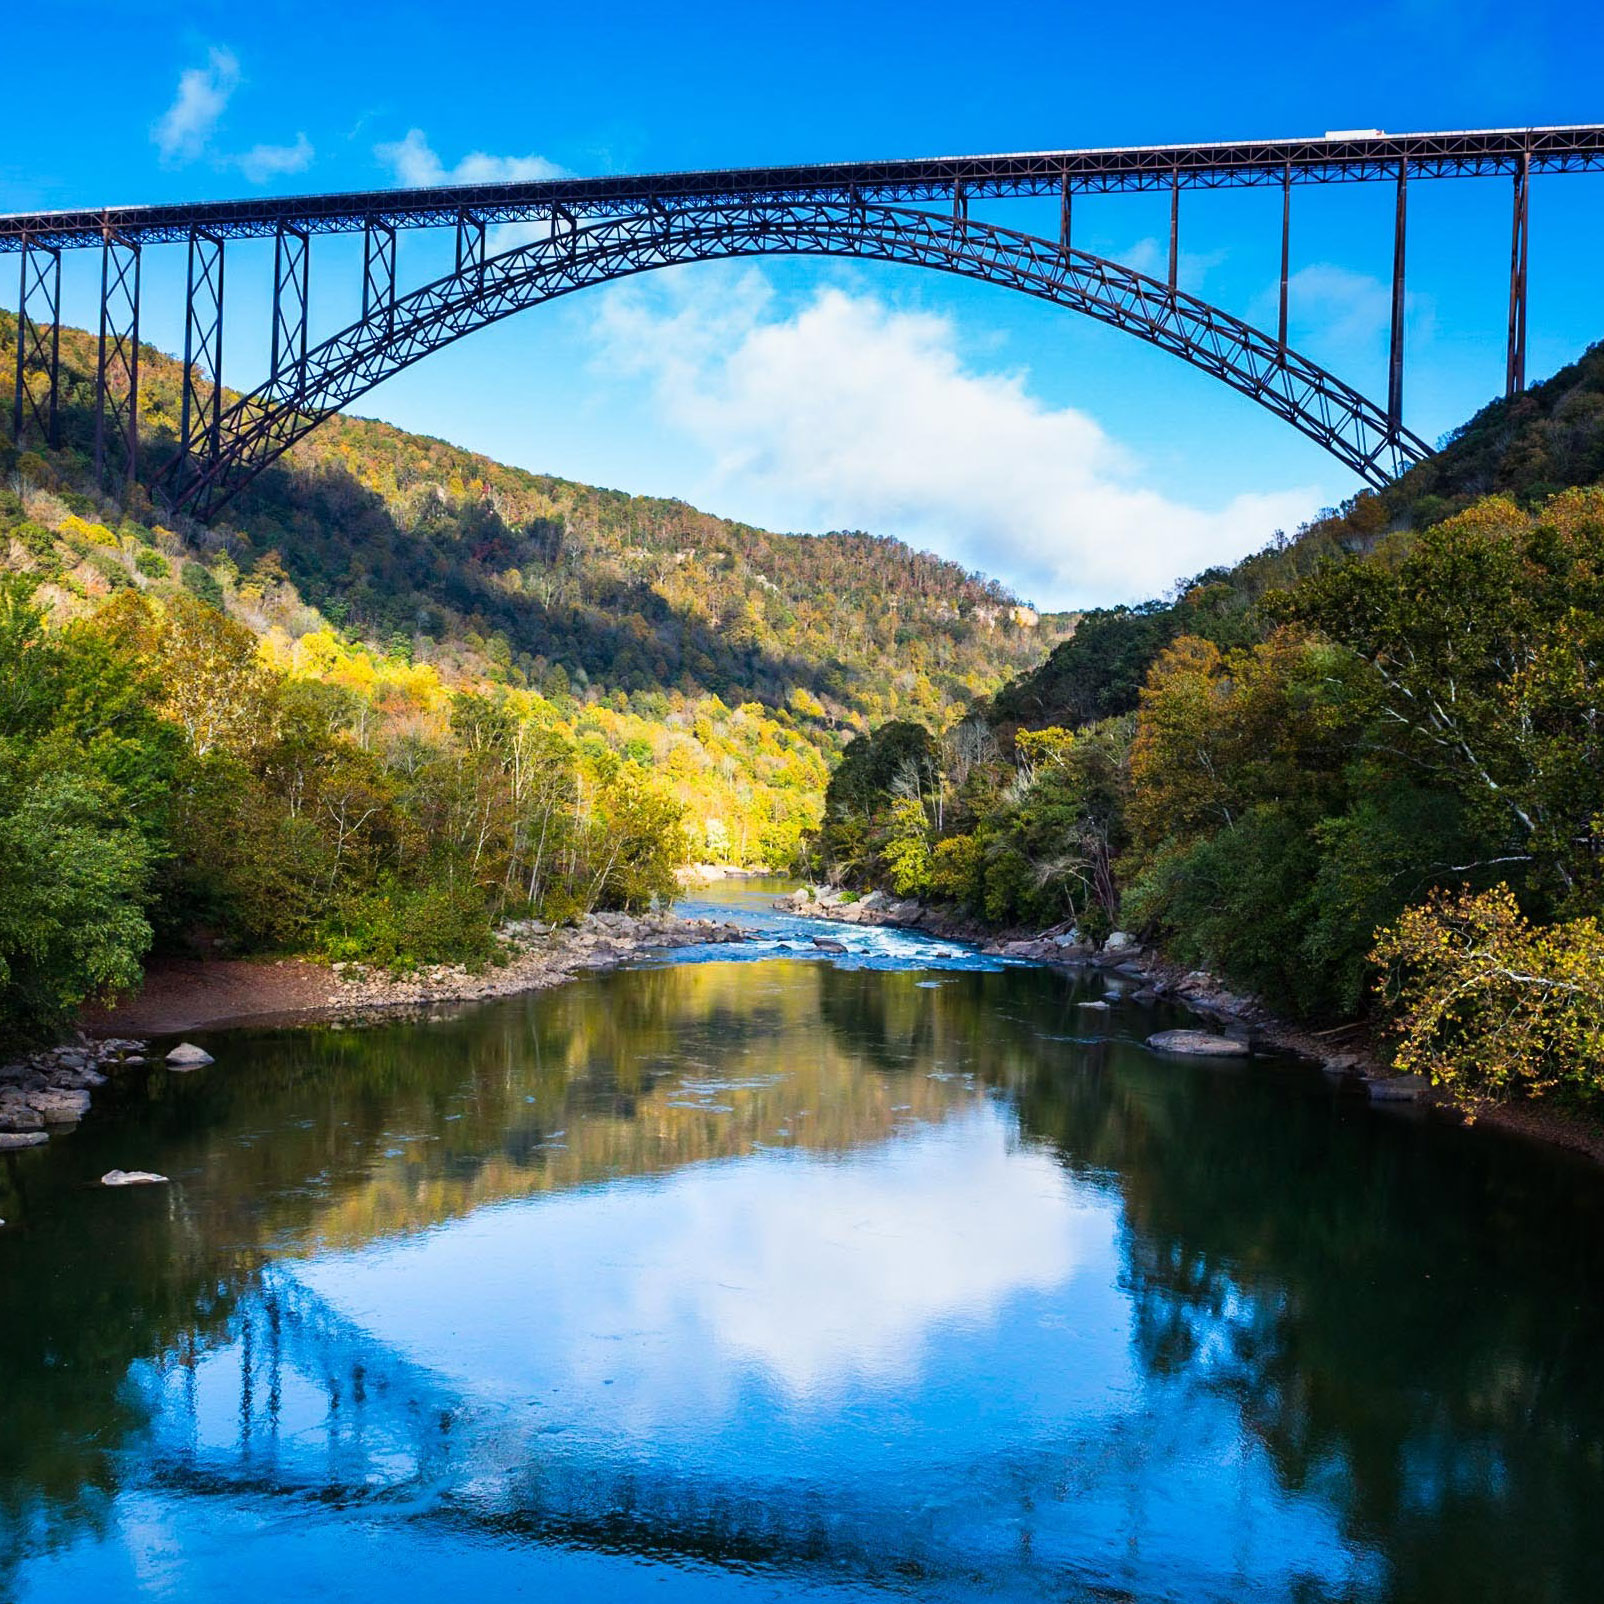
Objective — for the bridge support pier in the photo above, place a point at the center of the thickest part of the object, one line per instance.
(1395, 362)
(378, 270)
(199, 426)
(292, 264)
(117, 367)
(1515, 365)
(1286, 254)
(470, 244)
(1175, 229)
(38, 342)
(1063, 214)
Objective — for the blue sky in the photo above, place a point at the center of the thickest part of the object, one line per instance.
(1072, 461)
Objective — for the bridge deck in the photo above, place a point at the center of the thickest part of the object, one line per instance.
(1345, 157)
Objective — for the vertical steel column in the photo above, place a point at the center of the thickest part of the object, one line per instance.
(1515, 368)
(1175, 227)
(201, 418)
(1395, 362)
(1286, 252)
(117, 362)
(378, 269)
(292, 265)
(570, 226)
(38, 341)
(1063, 213)
(470, 243)
(960, 205)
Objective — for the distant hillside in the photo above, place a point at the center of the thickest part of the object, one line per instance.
(1527, 448)
(451, 558)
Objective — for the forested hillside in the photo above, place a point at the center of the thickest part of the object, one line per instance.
(1360, 772)
(447, 556)
(401, 691)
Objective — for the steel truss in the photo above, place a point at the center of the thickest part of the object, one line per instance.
(200, 426)
(261, 426)
(38, 344)
(117, 367)
(292, 265)
(1344, 158)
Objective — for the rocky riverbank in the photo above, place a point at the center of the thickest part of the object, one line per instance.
(1348, 1051)
(48, 1092)
(1149, 975)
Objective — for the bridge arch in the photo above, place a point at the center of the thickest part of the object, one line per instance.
(260, 426)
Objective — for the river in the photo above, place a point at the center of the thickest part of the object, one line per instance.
(770, 1275)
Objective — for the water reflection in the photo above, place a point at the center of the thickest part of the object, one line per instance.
(781, 1279)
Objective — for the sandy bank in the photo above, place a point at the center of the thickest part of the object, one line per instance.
(182, 994)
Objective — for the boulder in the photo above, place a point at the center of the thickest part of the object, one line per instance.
(186, 1055)
(132, 1178)
(1120, 941)
(829, 944)
(1198, 1044)
(1099, 1007)
(11, 1140)
(1398, 1089)
(60, 1107)
(16, 1116)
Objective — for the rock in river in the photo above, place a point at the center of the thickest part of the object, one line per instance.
(10, 1140)
(1198, 1044)
(132, 1178)
(829, 944)
(1398, 1089)
(186, 1055)
(59, 1107)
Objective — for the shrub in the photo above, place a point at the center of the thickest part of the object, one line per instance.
(1490, 1006)
(202, 582)
(400, 927)
(152, 564)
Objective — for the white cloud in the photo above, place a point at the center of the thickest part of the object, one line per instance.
(1151, 256)
(849, 413)
(416, 166)
(263, 162)
(1337, 313)
(185, 128)
(822, 1274)
(184, 131)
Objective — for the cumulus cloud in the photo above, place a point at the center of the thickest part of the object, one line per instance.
(262, 162)
(852, 413)
(416, 166)
(1337, 312)
(1151, 256)
(185, 129)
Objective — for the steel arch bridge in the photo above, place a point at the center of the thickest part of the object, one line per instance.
(262, 425)
(600, 230)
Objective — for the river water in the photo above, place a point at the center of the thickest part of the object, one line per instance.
(777, 1275)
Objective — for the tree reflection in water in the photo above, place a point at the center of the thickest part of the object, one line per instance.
(1399, 1323)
